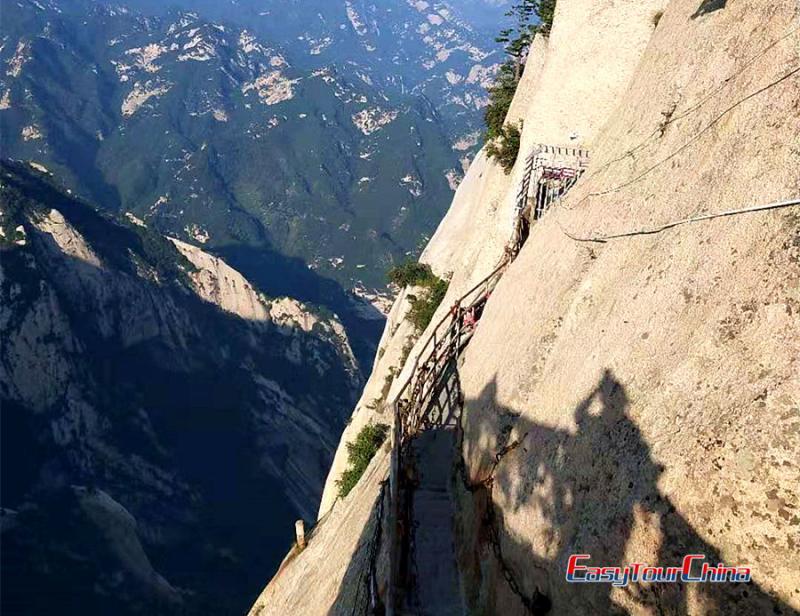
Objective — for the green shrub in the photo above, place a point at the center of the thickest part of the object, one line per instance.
(162, 255)
(359, 454)
(501, 93)
(531, 17)
(411, 273)
(505, 148)
(423, 308)
(546, 10)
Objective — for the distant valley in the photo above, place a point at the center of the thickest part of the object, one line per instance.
(198, 207)
(333, 132)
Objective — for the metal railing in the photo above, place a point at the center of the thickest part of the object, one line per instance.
(411, 408)
(549, 173)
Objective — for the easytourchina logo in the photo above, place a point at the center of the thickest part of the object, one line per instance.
(693, 569)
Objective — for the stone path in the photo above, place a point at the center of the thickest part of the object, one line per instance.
(436, 590)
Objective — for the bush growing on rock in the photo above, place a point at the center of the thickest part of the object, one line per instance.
(411, 274)
(532, 17)
(505, 148)
(423, 306)
(359, 454)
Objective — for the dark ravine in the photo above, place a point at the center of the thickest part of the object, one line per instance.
(156, 449)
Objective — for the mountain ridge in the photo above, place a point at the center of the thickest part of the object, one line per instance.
(158, 401)
(238, 142)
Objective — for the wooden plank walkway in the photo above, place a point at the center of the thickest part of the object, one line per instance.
(436, 587)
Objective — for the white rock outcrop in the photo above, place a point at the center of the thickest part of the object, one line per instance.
(217, 282)
(372, 120)
(141, 93)
(67, 238)
(272, 87)
(21, 56)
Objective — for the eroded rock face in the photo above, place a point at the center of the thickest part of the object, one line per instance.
(644, 379)
(643, 393)
(393, 350)
(369, 121)
(155, 377)
(142, 92)
(216, 282)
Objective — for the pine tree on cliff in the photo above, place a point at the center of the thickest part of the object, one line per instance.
(531, 17)
(518, 39)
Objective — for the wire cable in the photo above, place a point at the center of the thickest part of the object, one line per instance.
(691, 141)
(692, 108)
(601, 239)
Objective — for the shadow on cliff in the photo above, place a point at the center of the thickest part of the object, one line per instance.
(354, 593)
(278, 275)
(589, 492)
(709, 6)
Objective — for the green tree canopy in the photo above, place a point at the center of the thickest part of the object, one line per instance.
(530, 17)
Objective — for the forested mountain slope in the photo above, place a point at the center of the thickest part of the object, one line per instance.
(333, 133)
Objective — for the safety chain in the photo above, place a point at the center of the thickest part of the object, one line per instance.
(370, 581)
(538, 603)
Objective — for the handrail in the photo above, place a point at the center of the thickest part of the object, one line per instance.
(407, 417)
(430, 366)
(427, 365)
(407, 420)
(503, 264)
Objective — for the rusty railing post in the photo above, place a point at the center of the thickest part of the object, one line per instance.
(394, 514)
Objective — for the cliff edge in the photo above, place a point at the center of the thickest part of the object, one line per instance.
(632, 398)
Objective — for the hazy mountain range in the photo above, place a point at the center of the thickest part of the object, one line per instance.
(192, 200)
(330, 131)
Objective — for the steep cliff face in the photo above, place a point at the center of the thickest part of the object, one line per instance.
(138, 378)
(651, 382)
(471, 240)
(643, 392)
(397, 339)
